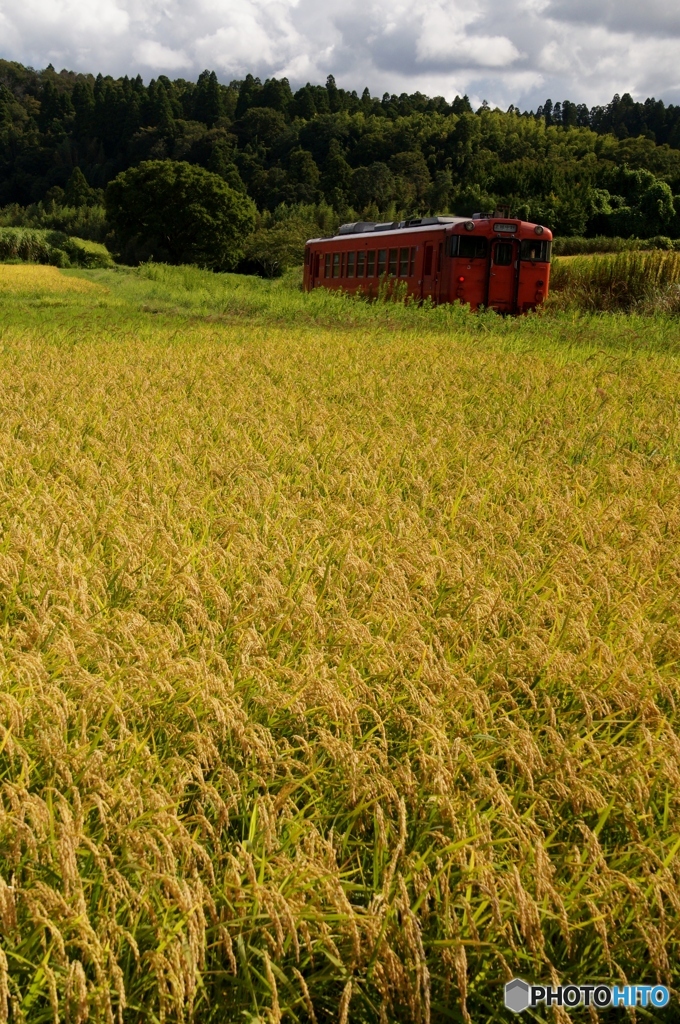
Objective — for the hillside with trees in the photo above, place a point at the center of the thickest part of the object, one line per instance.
(611, 170)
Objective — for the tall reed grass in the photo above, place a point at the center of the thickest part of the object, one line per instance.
(33, 245)
(627, 280)
(576, 246)
(87, 222)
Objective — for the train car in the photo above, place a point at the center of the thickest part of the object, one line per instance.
(496, 262)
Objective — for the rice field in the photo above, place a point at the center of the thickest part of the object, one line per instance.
(338, 653)
(29, 281)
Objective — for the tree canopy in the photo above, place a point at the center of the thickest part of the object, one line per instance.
(181, 212)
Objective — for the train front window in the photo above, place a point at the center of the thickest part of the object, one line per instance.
(336, 264)
(466, 247)
(361, 264)
(502, 255)
(535, 251)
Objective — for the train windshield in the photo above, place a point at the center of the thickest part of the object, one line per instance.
(537, 251)
(466, 247)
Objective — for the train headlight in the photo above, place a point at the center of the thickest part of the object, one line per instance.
(538, 230)
(469, 225)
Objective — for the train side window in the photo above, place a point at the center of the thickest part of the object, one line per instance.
(534, 250)
(393, 262)
(412, 264)
(502, 254)
(370, 263)
(351, 256)
(466, 247)
(327, 265)
(382, 261)
(361, 263)
(336, 264)
(403, 263)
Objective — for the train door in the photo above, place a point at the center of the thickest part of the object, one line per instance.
(439, 256)
(429, 285)
(503, 275)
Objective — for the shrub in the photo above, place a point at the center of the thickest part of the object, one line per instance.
(84, 253)
(278, 242)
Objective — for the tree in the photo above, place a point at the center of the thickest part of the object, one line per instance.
(260, 126)
(78, 193)
(337, 175)
(248, 95)
(372, 186)
(439, 194)
(278, 243)
(303, 104)
(181, 213)
(208, 105)
(275, 249)
(412, 180)
(334, 100)
(215, 150)
(304, 176)
(276, 94)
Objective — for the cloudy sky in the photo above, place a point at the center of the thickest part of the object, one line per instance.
(505, 51)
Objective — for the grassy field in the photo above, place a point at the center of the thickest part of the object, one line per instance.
(338, 652)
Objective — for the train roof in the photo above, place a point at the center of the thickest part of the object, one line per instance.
(363, 227)
(359, 229)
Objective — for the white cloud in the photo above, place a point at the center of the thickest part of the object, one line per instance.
(35, 21)
(508, 51)
(249, 34)
(444, 37)
(152, 54)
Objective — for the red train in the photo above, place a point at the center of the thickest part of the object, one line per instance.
(496, 262)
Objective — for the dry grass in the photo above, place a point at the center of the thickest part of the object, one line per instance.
(339, 671)
(27, 278)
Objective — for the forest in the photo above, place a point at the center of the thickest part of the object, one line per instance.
(609, 170)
